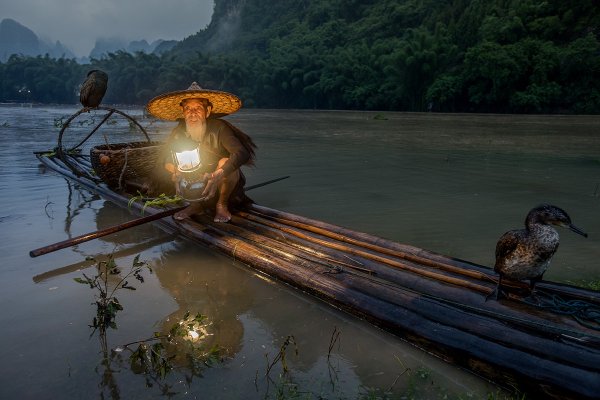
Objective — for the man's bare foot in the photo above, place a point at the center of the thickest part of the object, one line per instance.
(189, 211)
(222, 213)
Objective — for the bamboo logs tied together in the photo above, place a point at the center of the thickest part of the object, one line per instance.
(428, 319)
(420, 257)
(434, 302)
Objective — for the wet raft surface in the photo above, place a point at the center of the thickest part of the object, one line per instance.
(434, 302)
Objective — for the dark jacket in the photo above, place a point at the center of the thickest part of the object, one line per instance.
(222, 140)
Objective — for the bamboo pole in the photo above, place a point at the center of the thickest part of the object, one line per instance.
(419, 271)
(103, 232)
(273, 238)
(364, 240)
(268, 243)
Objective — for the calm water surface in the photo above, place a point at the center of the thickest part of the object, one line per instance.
(448, 183)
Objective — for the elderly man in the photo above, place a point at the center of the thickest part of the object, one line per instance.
(223, 147)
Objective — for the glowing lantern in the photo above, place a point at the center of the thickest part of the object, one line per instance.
(186, 155)
(188, 161)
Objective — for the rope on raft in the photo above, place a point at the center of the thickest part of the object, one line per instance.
(585, 313)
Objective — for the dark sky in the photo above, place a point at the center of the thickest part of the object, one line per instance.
(78, 23)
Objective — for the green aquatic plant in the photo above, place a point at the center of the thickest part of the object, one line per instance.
(423, 372)
(155, 356)
(132, 126)
(161, 201)
(86, 122)
(107, 304)
(500, 396)
(54, 152)
(60, 122)
(133, 199)
(418, 383)
(152, 357)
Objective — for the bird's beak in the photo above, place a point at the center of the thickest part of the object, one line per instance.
(577, 230)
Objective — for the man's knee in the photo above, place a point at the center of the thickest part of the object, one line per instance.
(234, 176)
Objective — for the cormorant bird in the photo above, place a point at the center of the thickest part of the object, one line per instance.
(93, 89)
(526, 253)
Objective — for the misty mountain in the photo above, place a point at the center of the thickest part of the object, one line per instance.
(18, 39)
(104, 46)
(164, 46)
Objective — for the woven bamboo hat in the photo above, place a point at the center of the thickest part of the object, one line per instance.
(168, 106)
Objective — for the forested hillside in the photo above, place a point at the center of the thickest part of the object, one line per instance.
(524, 56)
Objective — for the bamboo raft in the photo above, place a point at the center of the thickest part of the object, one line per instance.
(434, 302)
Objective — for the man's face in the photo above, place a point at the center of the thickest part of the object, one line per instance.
(195, 111)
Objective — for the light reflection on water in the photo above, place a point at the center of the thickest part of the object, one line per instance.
(449, 183)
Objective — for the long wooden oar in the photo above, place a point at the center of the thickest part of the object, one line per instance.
(103, 232)
(117, 228)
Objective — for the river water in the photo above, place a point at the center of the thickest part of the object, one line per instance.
(450, 183)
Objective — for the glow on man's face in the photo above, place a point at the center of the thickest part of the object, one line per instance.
(195, 110)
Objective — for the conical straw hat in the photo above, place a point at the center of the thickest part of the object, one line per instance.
(168, 106)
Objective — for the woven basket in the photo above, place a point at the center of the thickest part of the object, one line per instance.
(126, 161)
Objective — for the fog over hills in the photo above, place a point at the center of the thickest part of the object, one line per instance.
(104, 46)
(16, 38)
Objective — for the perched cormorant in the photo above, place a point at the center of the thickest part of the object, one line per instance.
(526, 253)
(93, 89)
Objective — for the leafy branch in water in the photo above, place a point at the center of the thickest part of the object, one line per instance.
(151, 355)
(107, 304)
(154, 357)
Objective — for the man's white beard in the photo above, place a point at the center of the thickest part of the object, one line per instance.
(196, 129)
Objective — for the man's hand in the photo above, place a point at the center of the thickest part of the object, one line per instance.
(214, 181)
(173, 171)
(170, 167)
